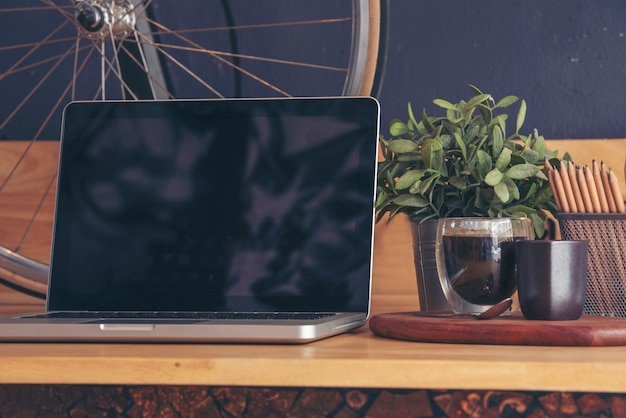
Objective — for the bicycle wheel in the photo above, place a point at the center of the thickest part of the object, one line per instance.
(56, 51)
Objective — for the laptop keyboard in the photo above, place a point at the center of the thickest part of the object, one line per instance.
(184, 315)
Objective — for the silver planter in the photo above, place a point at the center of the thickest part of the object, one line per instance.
(429, 290)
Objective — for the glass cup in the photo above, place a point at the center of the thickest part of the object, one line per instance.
(476, 260)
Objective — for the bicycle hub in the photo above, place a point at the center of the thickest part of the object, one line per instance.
(102, 19)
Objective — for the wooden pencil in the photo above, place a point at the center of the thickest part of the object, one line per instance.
(567, 187)
(548, 169)
(558, 185)
(571, 171)
(593, 193)
(597, 177)
(617, 192)
(610, 199)
(584, 190)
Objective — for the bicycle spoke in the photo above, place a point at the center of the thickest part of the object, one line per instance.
(37, 210)
(189, 71)
(256, 26)
(251, 57)
(110, 68)
(19, 106)
(217, 57)
(69, 15)
(65, 92)
(75, 72)
(33, 50)
(34, 9)
(116, 61)
(38, 63)
(37, 86)
(102, 72)
(30, 44)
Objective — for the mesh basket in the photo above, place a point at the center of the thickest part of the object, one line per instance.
(606, 271)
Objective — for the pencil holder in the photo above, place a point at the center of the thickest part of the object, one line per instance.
(606, 268)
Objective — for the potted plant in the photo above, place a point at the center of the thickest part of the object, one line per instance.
(464, 163)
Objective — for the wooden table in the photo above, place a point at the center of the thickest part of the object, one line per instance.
(356, 361)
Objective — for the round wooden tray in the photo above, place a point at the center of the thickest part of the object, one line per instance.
(504, 330)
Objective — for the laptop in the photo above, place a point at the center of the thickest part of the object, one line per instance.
(222, 220)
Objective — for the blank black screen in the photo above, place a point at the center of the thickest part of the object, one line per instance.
(215, 205)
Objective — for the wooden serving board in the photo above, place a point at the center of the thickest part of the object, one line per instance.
(504, 330)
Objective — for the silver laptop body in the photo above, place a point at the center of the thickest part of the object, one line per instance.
(226, 220)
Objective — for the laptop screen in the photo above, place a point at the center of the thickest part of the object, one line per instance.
(216, 205)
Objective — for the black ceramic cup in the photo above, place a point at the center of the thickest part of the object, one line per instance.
(552, 279)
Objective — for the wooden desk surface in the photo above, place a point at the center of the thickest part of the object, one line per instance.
(357, 359)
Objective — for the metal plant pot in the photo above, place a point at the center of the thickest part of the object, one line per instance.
(429, 290)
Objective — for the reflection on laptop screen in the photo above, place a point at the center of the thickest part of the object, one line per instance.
(215, 205)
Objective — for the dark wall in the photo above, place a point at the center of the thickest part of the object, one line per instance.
(567, 58)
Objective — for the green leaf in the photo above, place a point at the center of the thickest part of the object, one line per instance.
(381, 197)
(540, 174)
(458, 182)
(531, 156)
(401, 146)
(471, 134)
(398, 169)
(503, 159)
(502, 192)
(461, 145)
(507, 101)
(390, 182)
(484, 163)
(454, 117)
(415, 187)
(494, 177)
(426, 122)
(539, 146)
(520, 209)
(538, 225)
(432, 152)
(521, 116)
(446, 141)
(514, 193)
(398, 128)
(479, 98)
(522, 171)
(408, 178)
(426, 185)
(411, 200)
(445, 104)
(412, 116)
(409, 157)
(500, 121)
(498, 141)
(485, 112)
(475, 89)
